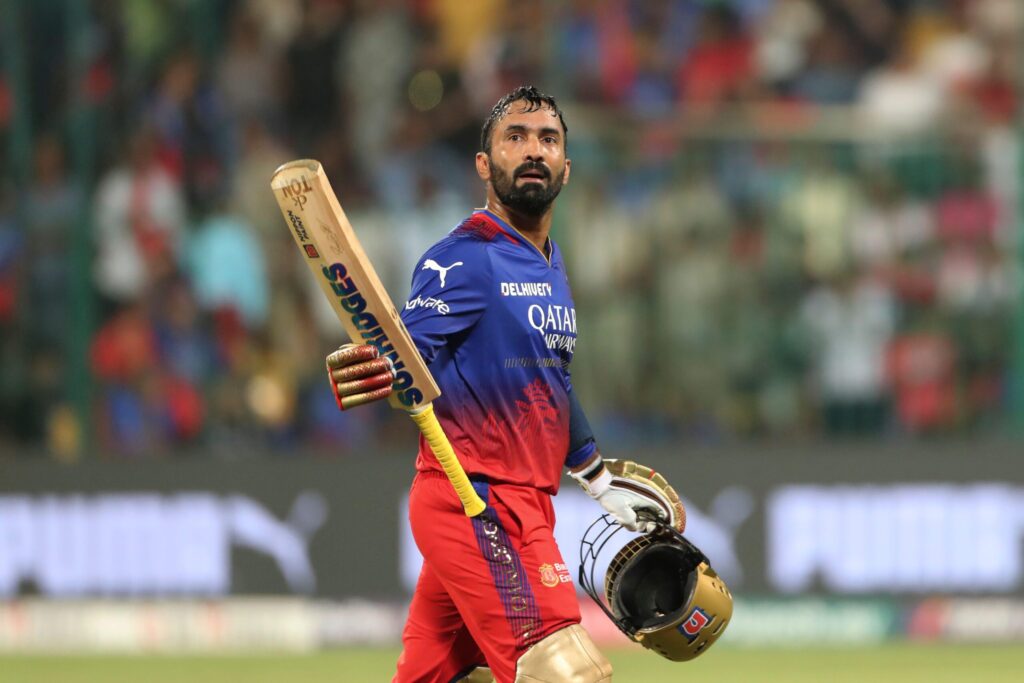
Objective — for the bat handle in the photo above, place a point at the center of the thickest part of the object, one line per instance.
(427, 422)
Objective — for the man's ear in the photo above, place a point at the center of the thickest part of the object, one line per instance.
(483, 166)
(565, 173)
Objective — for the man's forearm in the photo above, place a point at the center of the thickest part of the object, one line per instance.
(587, 464)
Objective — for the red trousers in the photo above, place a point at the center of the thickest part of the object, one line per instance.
(490, 587)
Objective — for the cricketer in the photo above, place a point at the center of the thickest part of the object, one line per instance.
(492, 314)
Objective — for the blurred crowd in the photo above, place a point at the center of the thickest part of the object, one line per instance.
(787, 218)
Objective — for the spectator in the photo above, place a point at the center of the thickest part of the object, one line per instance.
(508, 57)
(690, 267)
(51, 214)
(374, 61)
(11, 255)
(850, 323)
(124, 362)
(786, 209)
(949, 51)
(782, 37)
(312, 98)
(818, 209)
(899, 99)
(831, 75)
(183, 342)
(251, 200)
(140, 222)
(462, 28)
(720, 67)
(226, 266)
(921, 367)
(581, 48)
(889, 225)
(248, 74)
(651, 92)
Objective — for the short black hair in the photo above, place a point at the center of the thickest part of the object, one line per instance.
(534, 100)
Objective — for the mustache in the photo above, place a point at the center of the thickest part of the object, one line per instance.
(535, 166)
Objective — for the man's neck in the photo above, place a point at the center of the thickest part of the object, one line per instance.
(534, 228)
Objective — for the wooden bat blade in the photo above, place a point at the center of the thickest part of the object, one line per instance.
(336, 258)
(347, 278)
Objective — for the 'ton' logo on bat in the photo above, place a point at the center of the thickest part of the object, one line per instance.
(296, 190)
(370, 330)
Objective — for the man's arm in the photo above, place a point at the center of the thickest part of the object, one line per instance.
(448, 295)
(623, 488)
(582, 445)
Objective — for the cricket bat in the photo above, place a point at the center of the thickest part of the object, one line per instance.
(332, 251)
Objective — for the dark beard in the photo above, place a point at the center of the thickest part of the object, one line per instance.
(532, 199)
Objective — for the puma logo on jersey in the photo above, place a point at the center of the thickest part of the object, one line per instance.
(431, 264)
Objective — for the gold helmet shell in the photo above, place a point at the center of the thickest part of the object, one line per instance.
(665, 590)
(659, 589)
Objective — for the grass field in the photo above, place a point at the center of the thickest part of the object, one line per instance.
(902, 663)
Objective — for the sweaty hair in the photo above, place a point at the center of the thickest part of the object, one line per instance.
(534, 100)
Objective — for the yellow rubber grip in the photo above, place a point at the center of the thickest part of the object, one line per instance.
(427, 422)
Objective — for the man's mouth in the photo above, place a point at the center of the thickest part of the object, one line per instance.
(532, 176)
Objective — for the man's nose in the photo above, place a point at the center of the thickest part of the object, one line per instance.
(534, 151)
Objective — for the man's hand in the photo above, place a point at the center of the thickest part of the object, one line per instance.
(625, 489)
(359, 375)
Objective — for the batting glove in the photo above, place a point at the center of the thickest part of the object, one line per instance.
(633, 494)
(359, 375)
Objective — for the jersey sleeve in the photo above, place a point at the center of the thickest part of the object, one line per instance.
(581, 437)
(448, 295)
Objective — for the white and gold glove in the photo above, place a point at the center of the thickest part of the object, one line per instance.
(624, 489)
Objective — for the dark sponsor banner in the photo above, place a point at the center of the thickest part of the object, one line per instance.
(303, 526)
(813, 521)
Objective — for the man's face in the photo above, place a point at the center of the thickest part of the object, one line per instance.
(527, 164)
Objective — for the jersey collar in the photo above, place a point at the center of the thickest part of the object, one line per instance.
(514, 234)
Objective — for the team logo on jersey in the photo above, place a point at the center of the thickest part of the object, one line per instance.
(548, 575)
(537, 412)
(692, 627)
(552, 575)
(431, 264)
(537, 418)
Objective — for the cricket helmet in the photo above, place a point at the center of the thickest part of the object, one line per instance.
(660, 590)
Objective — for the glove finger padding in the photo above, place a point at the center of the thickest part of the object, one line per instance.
(362, 370)
(359, 375)
(351, 354)
(627, 476)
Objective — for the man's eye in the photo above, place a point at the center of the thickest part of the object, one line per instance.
(515, 137)
(550, 140)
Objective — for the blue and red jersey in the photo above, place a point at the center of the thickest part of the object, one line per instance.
(495, 321)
